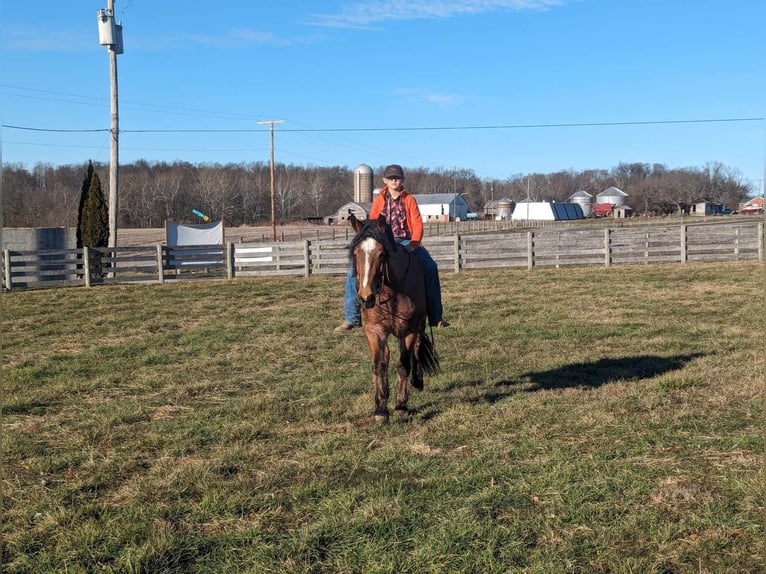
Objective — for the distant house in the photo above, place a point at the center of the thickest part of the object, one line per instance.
(442, 207)
(754, 205)
(545, 211)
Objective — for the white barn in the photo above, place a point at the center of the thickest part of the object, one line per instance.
(442, 207)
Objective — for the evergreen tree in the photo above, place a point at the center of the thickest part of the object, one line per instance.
(94, 227)
(83, 198)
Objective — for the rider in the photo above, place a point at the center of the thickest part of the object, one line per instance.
(403, 215)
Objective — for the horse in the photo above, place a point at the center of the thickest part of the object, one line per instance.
(391, 291)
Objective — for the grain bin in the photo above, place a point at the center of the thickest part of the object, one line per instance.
(363, 184)
(584, 200)
(612, 196)
(504, 209)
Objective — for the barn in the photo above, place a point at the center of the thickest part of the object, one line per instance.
(360, 209)
(442, 207)
(704, 206)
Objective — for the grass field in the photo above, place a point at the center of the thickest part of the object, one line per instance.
(587, 420)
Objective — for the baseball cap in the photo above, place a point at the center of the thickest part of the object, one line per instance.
(394, 171)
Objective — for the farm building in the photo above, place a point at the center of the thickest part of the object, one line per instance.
(701, 207)
(499, 208)
(754, 205)
(622, 211)
(359, 209)
(546, 211)
(442, 207)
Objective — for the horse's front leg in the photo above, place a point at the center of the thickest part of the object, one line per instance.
(380, 358)
(406, 354)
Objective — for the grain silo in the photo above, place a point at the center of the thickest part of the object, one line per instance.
(363, 180)
(504, 209)
(584, 200)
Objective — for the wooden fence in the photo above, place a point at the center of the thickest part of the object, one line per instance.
(742, 240)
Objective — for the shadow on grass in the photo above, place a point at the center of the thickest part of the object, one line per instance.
(586, 375)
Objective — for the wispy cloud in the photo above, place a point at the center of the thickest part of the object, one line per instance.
(420, 94)
(368, 14)
(33, 39)
(41, 39)
(237, 38)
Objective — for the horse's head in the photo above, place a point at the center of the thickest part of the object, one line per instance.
(369, 252)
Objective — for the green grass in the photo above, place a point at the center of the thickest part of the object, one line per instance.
(587, 420)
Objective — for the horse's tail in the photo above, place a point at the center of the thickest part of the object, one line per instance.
(427, 356)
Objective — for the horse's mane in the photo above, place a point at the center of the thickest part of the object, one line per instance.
(371, 229)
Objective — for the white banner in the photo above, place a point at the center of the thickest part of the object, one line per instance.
(177, 234)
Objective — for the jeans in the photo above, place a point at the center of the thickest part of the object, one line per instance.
(352, 307)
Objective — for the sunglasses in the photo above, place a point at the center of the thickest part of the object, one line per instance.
(394, 178)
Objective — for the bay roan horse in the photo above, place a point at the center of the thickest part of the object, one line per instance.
(391, 290)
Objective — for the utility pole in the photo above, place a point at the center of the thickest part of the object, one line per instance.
(110, 35)
(271, 169)
(454, 179)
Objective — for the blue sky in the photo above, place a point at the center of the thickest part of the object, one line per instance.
(393, 81)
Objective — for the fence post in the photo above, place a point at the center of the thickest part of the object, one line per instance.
(683, 243)
(160, 266)
(307, 258)
(229, 260)
(7, 268)
(530, 250)
(646, 246)
(607, 247)
(86, 265)
(456, 252)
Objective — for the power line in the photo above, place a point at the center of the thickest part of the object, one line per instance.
(136, 106)
(409, 128)
(29, 129)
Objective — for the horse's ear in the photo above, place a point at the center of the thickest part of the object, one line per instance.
(382, 222)
(355, 223)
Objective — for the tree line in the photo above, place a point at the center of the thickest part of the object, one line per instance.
(240, 194)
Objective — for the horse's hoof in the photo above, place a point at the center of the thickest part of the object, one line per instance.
(381, 419)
